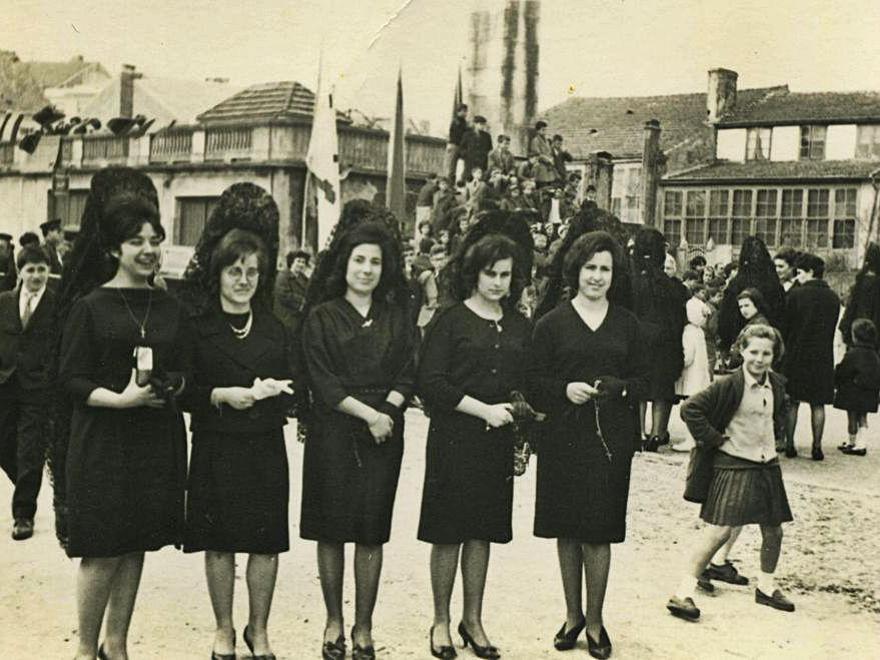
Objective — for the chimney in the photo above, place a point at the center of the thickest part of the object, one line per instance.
(651, 162)
(599, 172)
(126, 90)
(721, 97)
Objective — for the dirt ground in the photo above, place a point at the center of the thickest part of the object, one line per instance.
(829, 566)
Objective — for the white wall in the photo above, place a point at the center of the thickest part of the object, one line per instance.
(840, 142)
(785, 143)
(731, 144)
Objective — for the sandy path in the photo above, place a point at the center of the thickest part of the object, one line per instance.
(830, 566)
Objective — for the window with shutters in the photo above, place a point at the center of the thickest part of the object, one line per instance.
(192, 214)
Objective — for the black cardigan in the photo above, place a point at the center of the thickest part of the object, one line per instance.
(707, 415)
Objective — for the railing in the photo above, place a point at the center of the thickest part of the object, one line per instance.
(228, 143)
(369, 150)
(105, 148)
(7, 153)
(171, 146)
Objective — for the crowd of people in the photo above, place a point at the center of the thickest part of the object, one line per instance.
(510, 340)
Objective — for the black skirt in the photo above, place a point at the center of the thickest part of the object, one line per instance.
(238, 493)
(349, 482)
(468, 491)
(745, 493)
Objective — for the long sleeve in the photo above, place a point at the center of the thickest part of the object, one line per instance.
(695, 412)
(549, 388)
(438, 348)
(325, 382)
(77, 363)
(638, 368)
(405, 381)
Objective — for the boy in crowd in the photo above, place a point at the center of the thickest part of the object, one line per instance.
(26, 316)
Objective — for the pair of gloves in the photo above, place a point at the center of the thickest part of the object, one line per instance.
(610, 386)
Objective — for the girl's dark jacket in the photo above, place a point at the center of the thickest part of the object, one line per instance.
(857, 379)
(707, 415)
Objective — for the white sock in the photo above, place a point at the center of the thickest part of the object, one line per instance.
(767, 583)
(853, 439)
(687, 587)
(860, 438)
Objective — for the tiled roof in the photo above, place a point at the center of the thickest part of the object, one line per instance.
(54, 74)
(797, 108)
(274, 100)
(800, 170)
(616, 124)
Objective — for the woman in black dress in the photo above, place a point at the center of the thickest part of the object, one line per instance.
(473, 356)
(238, 479)
(863, 301)
(358, 346)
(659, 304)
(591, 374)
(120, 363)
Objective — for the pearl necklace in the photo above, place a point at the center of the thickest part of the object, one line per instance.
(246, 330)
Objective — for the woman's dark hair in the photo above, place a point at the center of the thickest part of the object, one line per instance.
(31, 255)
(391, 281)
(865, 332)
(788, 255)
(757, 299)
(482, 255)
(872, 260)
(812, 262)
(697, 261)
(235, 245)
(131, 213)
(583, 250)
(297, 254)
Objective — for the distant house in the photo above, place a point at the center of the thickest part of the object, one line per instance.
(258, 134)
(615, 125)
(69, 85)
(795, 169)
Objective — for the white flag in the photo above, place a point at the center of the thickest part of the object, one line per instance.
(322, 194)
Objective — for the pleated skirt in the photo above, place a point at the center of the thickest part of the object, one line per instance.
(746, 493)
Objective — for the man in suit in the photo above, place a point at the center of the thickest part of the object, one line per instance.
(52, 238)
(539, 147)
(475, 146)
(8, 275)
(457, 129)
(26, 324)
(290, 289)
(501, 158)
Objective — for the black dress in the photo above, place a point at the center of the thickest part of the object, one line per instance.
(125, 468)
(857, 379)
(238, 486)
(468, 491)
(581, 493)
(349, 482)
(811, 312)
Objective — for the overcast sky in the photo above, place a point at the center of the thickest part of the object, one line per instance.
(607, 48)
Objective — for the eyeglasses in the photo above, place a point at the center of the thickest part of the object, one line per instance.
(236, 273)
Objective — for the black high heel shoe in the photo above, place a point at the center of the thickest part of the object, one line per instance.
(362, 652)
(334, 650)
(565, 640)
(600, 649)
(489, 652)
(444, 652)
(225, 656)
(250, 645)
(102, 655)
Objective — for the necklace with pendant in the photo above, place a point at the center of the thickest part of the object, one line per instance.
(141, 325)
(242, 333)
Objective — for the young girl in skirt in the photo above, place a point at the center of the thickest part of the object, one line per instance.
(857, 379)
(734, 471)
